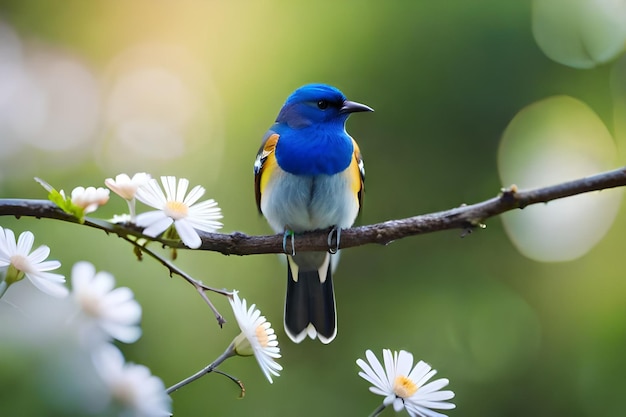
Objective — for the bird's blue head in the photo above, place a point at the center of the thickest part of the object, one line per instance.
(317, 103)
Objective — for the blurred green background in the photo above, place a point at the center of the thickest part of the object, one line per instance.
(189, 88)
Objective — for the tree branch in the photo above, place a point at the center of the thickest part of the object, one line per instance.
(465, 217)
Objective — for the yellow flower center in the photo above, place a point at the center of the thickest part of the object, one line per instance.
(20, 263)
(176, 210)
(262, 336)
(124, 392)
(91, 305)
(17, 268)
(404, 387)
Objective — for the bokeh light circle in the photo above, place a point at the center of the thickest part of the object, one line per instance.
(579, 33)
(157, 98)
(49, 99)
(555, 140)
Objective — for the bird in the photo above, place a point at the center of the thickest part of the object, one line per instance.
(309, 175)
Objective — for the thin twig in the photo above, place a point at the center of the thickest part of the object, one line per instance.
(173, 269)
(229, 352)
(378, 410)
(220, 319)
(238, 382)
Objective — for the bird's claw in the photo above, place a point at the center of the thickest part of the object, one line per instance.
(335, 230)
(291, 234)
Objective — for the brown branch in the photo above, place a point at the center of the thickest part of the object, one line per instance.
(465, 217)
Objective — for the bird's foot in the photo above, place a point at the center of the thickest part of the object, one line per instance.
(333, 249)
(292, 235)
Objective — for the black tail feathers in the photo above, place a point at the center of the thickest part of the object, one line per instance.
(310, 302)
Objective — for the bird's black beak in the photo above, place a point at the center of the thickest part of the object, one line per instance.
(353, 107)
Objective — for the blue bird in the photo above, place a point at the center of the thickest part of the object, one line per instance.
(308, 175)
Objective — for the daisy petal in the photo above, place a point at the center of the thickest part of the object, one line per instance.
(47, 265)
(55, 289)
(10, 243)
(183, 184)
(187, 234)
(434, 386)
(150, 217)
(423, 411)
(122, 332)
(25, 243)
(158, 227)
(40, 254)
(194, 195)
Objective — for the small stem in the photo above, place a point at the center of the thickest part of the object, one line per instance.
(230, 351)
(3, 288)
(378, 410)
(220, 319)
(131, 209)
(242, 388)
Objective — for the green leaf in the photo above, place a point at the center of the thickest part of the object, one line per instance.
(63, 202)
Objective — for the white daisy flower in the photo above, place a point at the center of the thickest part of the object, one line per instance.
(174, 207)
(132, 387)
(405, 386)
(257, 337)
(126, 187)
(90, 198)
(109, 313)
(33, 265)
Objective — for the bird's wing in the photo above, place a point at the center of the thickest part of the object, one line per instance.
(264, 165)
(357, 173)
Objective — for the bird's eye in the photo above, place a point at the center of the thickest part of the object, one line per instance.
(322, 104)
